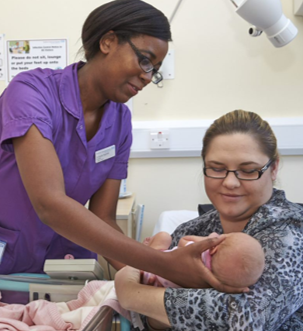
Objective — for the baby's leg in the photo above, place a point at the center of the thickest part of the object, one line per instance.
(160, 241)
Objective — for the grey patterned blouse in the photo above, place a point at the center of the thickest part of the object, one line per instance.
(275, 302)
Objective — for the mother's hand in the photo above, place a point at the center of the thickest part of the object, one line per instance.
(123, 278)
(143, 299)
(188, 270)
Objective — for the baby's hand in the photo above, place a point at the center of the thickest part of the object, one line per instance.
(148, 278)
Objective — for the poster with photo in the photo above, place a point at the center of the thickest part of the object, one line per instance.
(29, 54)
(2, 66)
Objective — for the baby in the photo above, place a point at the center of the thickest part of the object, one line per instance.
(238, 261)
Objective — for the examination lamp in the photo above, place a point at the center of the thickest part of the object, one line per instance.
(267, 16)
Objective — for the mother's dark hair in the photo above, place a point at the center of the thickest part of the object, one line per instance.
(127, 18)
(241, 121)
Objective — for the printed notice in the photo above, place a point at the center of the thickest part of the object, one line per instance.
(24, 55)
(2, 67)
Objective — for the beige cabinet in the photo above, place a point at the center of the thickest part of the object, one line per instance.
(125, 217)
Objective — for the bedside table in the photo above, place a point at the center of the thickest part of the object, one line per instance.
(125, 215)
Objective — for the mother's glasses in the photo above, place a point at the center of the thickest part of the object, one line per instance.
(219, 173)
(146, 65)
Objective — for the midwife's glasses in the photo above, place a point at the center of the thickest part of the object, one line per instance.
(253, 174)
(146, 65)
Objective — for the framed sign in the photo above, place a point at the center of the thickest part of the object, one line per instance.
(28, 54)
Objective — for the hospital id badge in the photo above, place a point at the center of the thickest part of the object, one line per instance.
(105, 153)
(2, 249)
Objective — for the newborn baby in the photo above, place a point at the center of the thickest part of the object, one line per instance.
(238, 261)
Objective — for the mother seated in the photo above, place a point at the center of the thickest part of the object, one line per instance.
(240, 165)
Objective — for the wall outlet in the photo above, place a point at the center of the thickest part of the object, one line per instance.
(159, 139)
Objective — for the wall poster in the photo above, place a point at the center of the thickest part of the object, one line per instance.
(29, 54)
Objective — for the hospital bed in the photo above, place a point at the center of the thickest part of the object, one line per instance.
(61, 283)
(169, 220)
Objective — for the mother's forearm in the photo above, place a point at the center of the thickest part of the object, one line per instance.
(149, 301)
(143, 299)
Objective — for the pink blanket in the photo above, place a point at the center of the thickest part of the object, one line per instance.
(43, 315)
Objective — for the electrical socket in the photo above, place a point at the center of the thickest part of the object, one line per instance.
(159, 139)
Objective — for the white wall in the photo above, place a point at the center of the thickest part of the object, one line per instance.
(218, 68)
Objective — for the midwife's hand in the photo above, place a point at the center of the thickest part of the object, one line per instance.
(187, 269)
(184, 241)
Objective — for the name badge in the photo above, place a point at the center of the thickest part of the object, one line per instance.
(2, 249)
(104, 154)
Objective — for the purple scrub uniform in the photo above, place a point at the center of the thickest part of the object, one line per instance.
(50, 100)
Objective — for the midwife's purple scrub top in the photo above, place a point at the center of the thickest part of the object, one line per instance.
(50, 100)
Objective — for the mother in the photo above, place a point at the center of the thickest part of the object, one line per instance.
(240, 166)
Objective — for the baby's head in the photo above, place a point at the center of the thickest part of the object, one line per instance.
(238, 261)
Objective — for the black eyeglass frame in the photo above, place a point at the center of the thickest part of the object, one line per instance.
(260, 172)
(141, 57)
